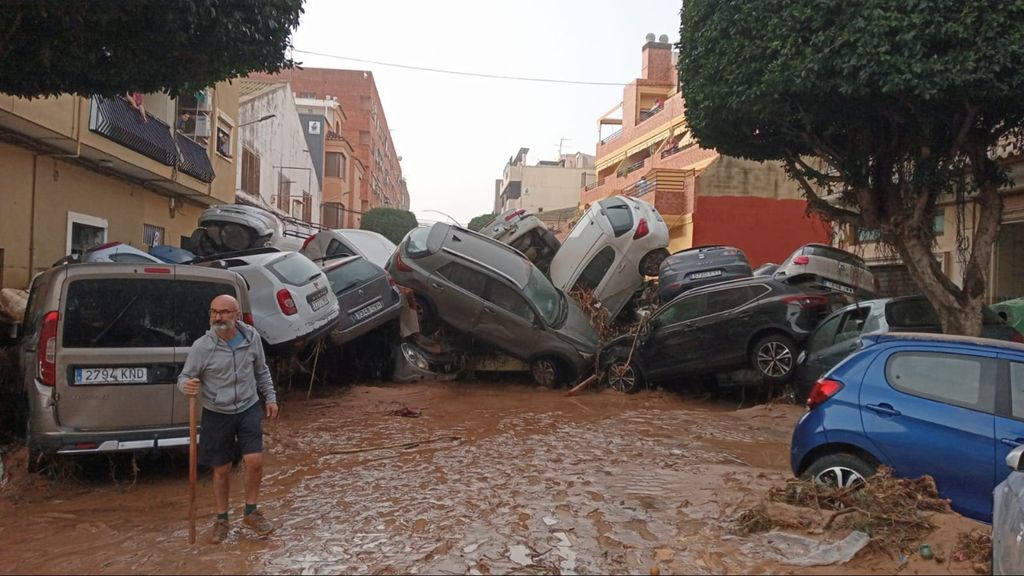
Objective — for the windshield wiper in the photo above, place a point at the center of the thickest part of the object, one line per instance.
(113, 322)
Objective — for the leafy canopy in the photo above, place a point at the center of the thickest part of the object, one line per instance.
(85, 47)
(392, 223)
(478, 222)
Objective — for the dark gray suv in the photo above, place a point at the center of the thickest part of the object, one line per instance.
(487, 290)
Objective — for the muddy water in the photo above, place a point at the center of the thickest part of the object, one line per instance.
(535, 483)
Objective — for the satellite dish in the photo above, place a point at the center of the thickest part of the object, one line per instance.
(663, 38)
(650, 37)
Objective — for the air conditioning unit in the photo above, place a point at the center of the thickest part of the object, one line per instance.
(202, 126)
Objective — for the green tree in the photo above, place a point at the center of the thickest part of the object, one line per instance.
(885, 106)
(107, 47)
(393, 223)
(478, 222)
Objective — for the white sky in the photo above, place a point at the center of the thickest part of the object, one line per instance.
(456, 133)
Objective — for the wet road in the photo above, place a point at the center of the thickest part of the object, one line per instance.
(536, 483)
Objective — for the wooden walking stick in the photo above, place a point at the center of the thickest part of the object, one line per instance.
(193, 408)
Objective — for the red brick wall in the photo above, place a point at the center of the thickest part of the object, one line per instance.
(350, 87)
(766, 229)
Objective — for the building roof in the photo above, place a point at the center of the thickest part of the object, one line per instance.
(249, 88)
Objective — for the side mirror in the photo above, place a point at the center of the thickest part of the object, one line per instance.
(1015, 459)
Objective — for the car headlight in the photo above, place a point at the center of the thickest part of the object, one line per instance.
(414, 357)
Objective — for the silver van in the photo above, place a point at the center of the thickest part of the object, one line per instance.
(100, 350)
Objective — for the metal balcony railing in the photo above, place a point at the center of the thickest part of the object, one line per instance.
(117, 120)
(670, 151)
(612, 136)
(631, 168)
(193, 160)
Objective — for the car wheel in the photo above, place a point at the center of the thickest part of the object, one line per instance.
(650, 264)
(426, 316)
(623, 376)
(839, 470)
(774, 357)
(546, 372)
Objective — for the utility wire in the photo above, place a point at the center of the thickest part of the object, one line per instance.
(460, 73)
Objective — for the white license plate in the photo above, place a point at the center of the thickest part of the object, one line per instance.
(111, 375)
(319, 303)
(836, 286)
(708, 274)
(363, 313)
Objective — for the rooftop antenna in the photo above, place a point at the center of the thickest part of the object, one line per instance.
(562, 141)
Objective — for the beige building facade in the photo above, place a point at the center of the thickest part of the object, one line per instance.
(548, 185)
(84, 171)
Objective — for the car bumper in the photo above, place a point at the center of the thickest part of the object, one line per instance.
(61, 442)
(339, 337)
(293, 346)
(808, 434)
(440, 368)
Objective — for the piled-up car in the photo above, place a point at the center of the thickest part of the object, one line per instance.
(237, 227)
(526, 233)
(489, 293)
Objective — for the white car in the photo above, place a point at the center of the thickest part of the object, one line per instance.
(616, 243)
(233, 227)
(329, 244)
(119, 252)
(293, 305)
(833, 268)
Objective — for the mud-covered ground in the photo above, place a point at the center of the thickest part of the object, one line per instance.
(536, 482)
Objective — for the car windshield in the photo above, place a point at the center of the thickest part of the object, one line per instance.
(373, 249)
(294, 269)
(544, 296)
(351, 274)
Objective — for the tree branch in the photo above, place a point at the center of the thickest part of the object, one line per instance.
(816, 204)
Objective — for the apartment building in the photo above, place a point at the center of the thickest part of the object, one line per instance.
(545, 186)
(365, 130)
(84, 171)
(645, 150)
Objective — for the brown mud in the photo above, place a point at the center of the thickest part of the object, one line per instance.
(535, 483)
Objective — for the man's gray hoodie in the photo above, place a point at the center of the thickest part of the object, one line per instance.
(229, 377)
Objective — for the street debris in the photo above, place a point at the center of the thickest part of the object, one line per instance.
(974, 546)
(400, 446)
(796, 550)
(12, 304)
(407, 411)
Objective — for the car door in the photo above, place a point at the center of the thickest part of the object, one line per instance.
(836, 339)
(457, 292)
(1009, 423)
(929, 410)
(507, 321)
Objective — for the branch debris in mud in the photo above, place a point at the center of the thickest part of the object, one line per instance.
(974, 546)
(412, 444)
(893, 511)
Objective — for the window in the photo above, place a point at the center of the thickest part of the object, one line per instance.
(284, 194)
(825, 335)
(961, 380)
(509, 300)
(135, 313)
(619, 214)
(152, 235)
(683, 310)
(544, 296)
(335, 165)
(351, 274)
(339, 248)
(192, 117)
(250, 172)
(307, 207)
(84, 232)
(333, 214)
(1017, 390)
(224, 140)
(294, 269)
(725, 300)
(595, 271)
(852, 324)
(469, 280)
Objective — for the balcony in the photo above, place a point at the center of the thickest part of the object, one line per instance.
(193, 159)
(117, 120)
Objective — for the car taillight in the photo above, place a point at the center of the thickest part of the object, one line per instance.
(641, 229)
(46, 352)
(515, 214)
(103, 246)
(286, 302)
(247, 318)
(306, 242)
(801, 260)
(807, 300)
(1017, 337)
(400, 264)
(822, 391)
(157, 270)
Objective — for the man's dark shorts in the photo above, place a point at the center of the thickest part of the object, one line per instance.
(224, 435)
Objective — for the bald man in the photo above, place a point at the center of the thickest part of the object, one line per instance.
(228, 366)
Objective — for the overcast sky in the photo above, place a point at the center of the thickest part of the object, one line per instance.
(455, 133)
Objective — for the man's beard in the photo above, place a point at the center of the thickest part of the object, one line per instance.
(220, 326)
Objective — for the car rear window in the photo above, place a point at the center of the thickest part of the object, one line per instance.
(351, 274)
(129, 258)
(138, 313)
(295, 269)
(619, 214)
(835, 254)
(416, 243)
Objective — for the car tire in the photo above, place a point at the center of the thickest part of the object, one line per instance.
(840, 470)
(547, 372)
(650, 264)
(774, 358)
(426, 316)
(623, 377)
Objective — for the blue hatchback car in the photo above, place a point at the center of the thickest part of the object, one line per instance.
(948, 406)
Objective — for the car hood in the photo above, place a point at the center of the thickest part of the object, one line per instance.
(577, 329)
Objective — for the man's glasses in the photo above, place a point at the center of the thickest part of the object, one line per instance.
(215, 312)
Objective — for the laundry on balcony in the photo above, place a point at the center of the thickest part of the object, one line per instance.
(193, 159)
(116, 119)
